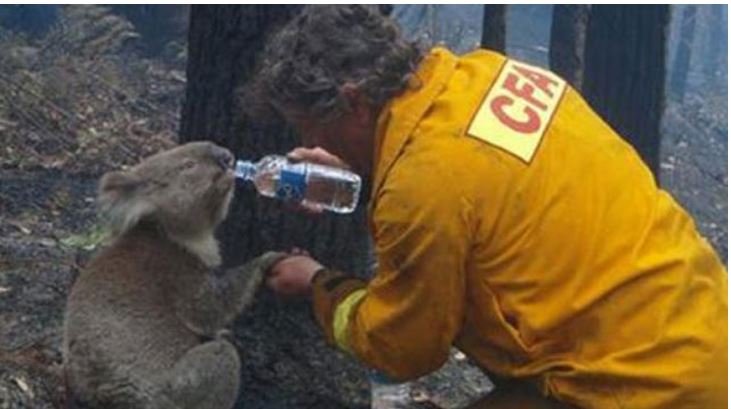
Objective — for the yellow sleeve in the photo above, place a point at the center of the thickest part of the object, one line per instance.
(404, 322)
(330, 289)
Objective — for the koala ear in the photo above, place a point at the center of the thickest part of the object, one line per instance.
(119, 201)
(119, 182)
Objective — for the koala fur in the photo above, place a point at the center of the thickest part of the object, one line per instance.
(144, 319)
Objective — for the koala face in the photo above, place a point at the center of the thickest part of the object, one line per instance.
(187, 190)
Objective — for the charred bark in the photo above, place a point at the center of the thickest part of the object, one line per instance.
(493, 27)
(713, 67)
(568, 39)
(679, 76)
(624, 75)
(285, 361)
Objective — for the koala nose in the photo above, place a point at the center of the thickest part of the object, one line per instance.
(223, 157)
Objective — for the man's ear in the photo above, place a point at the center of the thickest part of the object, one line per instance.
(359, 105)
(118, 200)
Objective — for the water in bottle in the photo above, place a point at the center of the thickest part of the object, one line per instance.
(329, 188)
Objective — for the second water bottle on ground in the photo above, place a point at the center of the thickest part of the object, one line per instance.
(333, 189)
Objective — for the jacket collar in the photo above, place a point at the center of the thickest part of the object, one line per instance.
(400, 116)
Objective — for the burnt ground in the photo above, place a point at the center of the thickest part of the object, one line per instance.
(51, 157)
(47, 231)
(39, 210)
(694, 163)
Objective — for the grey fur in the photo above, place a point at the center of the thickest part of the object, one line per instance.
(137, 314)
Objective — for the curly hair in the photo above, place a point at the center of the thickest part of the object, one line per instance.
(304, 65)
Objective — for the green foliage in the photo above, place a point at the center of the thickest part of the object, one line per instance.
(87, 240)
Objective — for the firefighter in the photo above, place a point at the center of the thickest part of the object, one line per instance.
(508, 220)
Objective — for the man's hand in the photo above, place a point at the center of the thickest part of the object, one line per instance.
(321, 157)
(316, 155)
(293, 276)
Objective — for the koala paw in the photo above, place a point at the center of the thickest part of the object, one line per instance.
(225, 335)
(268, 259)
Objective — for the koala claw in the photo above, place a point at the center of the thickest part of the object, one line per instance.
(225, 335)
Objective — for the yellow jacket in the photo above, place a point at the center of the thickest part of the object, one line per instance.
(510, 221)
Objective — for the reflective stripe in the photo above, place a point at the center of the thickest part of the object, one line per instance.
(342, 315)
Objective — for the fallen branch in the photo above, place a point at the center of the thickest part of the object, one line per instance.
(132, 98)
(45, 100)
(5, 123)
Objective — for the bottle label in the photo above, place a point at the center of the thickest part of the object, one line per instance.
(292, 183)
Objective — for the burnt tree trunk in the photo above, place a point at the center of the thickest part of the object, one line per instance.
(624, 74)
(285, 362)
(493, 27)
(716, 44)
(679, 76)
(568, 38)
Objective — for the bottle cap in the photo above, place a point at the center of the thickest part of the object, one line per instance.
(244, 169)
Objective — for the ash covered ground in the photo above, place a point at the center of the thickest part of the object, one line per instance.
(116, 107)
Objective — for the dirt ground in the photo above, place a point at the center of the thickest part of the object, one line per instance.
(48, 228)
(47, 232)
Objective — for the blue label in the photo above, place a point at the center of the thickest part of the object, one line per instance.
(292, 183)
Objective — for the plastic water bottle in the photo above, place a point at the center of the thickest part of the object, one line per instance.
(325, 187)
(387, 393)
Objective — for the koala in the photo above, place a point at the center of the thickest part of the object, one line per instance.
(144, 323)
